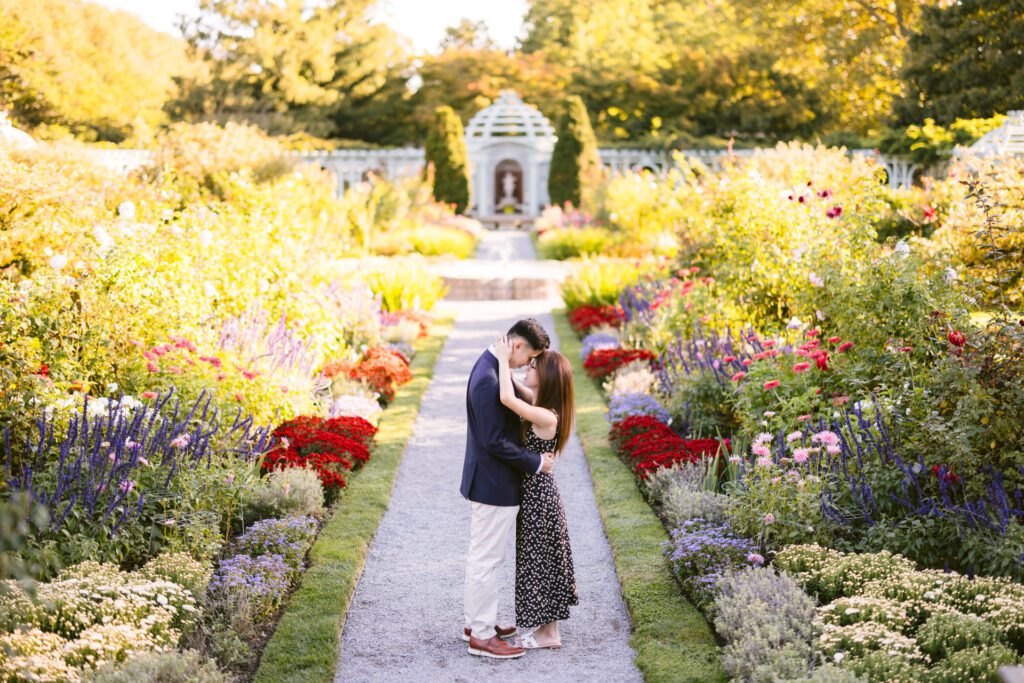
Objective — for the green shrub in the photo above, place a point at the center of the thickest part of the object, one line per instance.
(575, 164)
(405, 287)
(182, 569)
(767, 622)
(944, 634)
(930, 143)
(599, 282)
(566, 243)
(427, 240)
(290, 491)
(162, 667)
(884, 668)
(203, 153)
(976, 664)
(446, 155)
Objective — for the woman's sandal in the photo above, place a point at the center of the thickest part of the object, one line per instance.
(528, 642)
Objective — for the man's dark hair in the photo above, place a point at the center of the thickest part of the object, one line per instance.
(531, 331)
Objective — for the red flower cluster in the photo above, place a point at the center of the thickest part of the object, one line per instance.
(331, 447)
(943, 473)
(648, 444)
(383, 370)
(584, 318)
(603, 362)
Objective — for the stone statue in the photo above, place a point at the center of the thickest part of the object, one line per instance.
(508, 186)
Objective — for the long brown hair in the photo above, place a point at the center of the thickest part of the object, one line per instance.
(555, 392)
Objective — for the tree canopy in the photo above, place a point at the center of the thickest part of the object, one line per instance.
(75, 66)
(653, 73)
(965, 61)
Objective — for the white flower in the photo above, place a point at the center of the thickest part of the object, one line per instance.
(112, 387)
(815, 279)
(126, 210)
(205, 238)
(950, 275)
(838, 657)
(58, 261)
(103, 239)
(902, 249)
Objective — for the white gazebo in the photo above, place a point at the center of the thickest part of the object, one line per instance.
(12, 137)
(509, 145)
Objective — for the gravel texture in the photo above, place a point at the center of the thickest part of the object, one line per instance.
(405, 619)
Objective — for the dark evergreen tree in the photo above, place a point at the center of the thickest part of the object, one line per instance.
(965, 62)
(575, 164)
(446, 153)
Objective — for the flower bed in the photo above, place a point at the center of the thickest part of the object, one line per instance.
(330, 446)
(155, 333)
(862, 408)
(585, 318)
(602, 362)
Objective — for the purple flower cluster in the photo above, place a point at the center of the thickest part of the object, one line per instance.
(288, 538)
(705, 353)
(637, 301)
(260, 582)
(253, 338)
(598, 340)
(701, 553)
(876, 482)
(100, 459)
(622, 406)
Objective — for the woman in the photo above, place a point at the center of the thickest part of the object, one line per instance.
(545, 580)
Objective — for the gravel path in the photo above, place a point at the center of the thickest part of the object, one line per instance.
(405, 619)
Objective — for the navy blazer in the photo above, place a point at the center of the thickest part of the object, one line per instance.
(495, 462)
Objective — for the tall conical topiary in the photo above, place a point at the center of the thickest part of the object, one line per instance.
(575, 164)
(446, 151)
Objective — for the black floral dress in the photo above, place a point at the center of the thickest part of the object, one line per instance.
(545, 579)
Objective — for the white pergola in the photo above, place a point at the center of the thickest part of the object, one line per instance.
(1006, 140)
(509, 146)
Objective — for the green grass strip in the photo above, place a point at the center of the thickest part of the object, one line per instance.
(306, 643)
(672, 639)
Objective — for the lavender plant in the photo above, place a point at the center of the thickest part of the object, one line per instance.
(108, 473)
(767, 622)
(288, 538)
(598, 340)
(257, 585)
(702, 553)
(272, 347)
(622, 406)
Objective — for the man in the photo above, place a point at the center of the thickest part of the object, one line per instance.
(492, 478)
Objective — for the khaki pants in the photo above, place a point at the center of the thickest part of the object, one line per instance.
(488, 538)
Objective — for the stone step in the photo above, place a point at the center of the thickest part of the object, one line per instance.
(497, 280)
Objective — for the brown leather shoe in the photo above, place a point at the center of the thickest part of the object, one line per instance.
(502, 631)
(496, 648)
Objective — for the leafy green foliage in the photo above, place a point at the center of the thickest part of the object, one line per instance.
(964, 62)
(575, 165)
(446, 155)
(286, 66)
(930, 143)
(73, 66)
